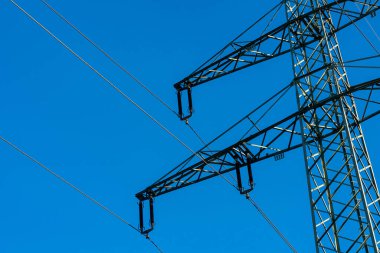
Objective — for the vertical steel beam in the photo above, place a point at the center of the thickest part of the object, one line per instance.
(344, 196)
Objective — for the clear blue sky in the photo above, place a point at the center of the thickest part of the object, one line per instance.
(60, 112)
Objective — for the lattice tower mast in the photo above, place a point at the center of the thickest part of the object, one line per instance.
(344, 196)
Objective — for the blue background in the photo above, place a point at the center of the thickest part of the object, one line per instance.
(60, 112)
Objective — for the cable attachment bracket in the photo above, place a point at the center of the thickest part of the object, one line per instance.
(241, 162)
(180, 100)
(143, 230)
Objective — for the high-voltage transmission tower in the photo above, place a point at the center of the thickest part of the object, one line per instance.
(344, 196)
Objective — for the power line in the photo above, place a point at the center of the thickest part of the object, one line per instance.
(116, 63)
(265, 216)
(117, 88)
(62, 17)
(74, 187)
(358, 28)
(107, 55)
(362, 59)
(369, 25)
(110, 83)
(139, 82)
(361, 66)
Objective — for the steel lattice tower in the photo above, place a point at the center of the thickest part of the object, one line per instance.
(344, 197)
(343, 193)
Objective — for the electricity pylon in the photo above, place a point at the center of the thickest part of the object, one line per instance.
(344, 196)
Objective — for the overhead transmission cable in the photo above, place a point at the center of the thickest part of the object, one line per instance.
(61, 16)
(261, 211)
(369, 25)
(277, 8)
(363, 58)
(116, 88)
(361, 66)
(358, 28)
(75, 188)
(116, 63)
(107, 55)
(110, 83)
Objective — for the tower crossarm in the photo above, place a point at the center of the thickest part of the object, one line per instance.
(270, 142)
(240, 55)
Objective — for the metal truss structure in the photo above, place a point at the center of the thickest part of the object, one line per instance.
(279, 41)
(344, 196)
